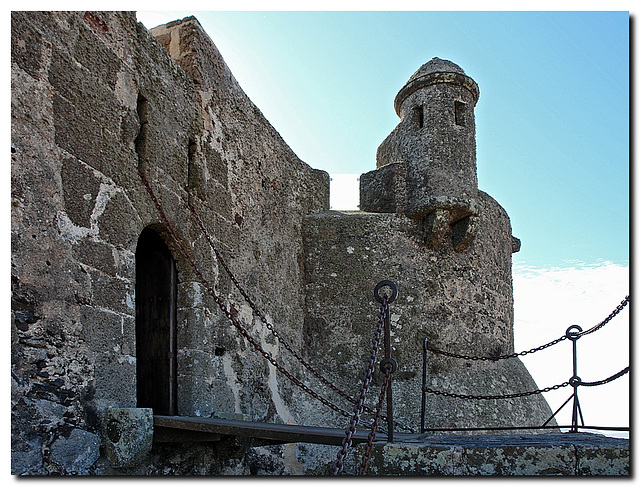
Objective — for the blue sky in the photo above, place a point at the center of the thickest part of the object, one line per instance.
(552, 120)
(552, 138)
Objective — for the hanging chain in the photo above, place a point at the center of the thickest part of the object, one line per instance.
(374, 426)
(496, 358)
(615, 312)
(496, 397)
(606, 380)
(368, 374)
(232, 313)
(258, 312)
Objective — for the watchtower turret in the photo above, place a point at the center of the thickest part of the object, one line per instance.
(426, 167)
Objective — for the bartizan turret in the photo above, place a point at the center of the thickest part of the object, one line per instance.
(426, 167)
(447, 246)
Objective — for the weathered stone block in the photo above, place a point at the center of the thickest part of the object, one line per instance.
(95, 254)
(115, 375)
(384, 190)
(113, 293)
(26, 45)
(604, 460)
(86, 113)
(118, 223)
(77, 453)
(103, 331)
(26, 456)
(127, 435)
(97, 58)
(80, 189)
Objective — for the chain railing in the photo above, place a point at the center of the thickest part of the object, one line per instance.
(231, 314)
(614, 313)
(364, 387)
(258, 312)
(573, 333)
(385, 391)
(387, 365)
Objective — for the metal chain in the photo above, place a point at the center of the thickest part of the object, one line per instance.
(269, 325)
(374, 426)
(495, 397)
(615, 312)
(496, 358)
(606, 380)
(364, 387)
(230, 314)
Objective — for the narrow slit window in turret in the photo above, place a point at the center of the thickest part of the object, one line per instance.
(460, 113)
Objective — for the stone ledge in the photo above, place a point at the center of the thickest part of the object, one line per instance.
(554, 454)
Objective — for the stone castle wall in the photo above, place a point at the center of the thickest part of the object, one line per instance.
(96, 98)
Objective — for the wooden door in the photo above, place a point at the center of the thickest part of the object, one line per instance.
(156, 355)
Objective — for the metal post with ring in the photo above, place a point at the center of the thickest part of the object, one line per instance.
(573, 333)
(388, 361)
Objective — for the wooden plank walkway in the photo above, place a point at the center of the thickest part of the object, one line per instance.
(168, 428)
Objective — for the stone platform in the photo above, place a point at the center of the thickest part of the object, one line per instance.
(552, 454)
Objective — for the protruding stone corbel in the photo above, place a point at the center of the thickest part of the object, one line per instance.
(515, 244)
(436, 225)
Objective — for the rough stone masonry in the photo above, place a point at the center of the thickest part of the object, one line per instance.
(119, 300)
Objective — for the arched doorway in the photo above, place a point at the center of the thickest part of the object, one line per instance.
(156, 354)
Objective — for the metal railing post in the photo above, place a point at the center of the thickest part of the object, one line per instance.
(573, 334)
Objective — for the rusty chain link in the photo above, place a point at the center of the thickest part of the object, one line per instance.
(364, 387)
(615, 312)
(230, 314)
(269, 325)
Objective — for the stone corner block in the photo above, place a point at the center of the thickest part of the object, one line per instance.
(127, 435)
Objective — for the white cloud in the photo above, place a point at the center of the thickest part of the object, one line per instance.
(549, 300)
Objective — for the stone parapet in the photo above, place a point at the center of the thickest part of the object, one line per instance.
(556, 454)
